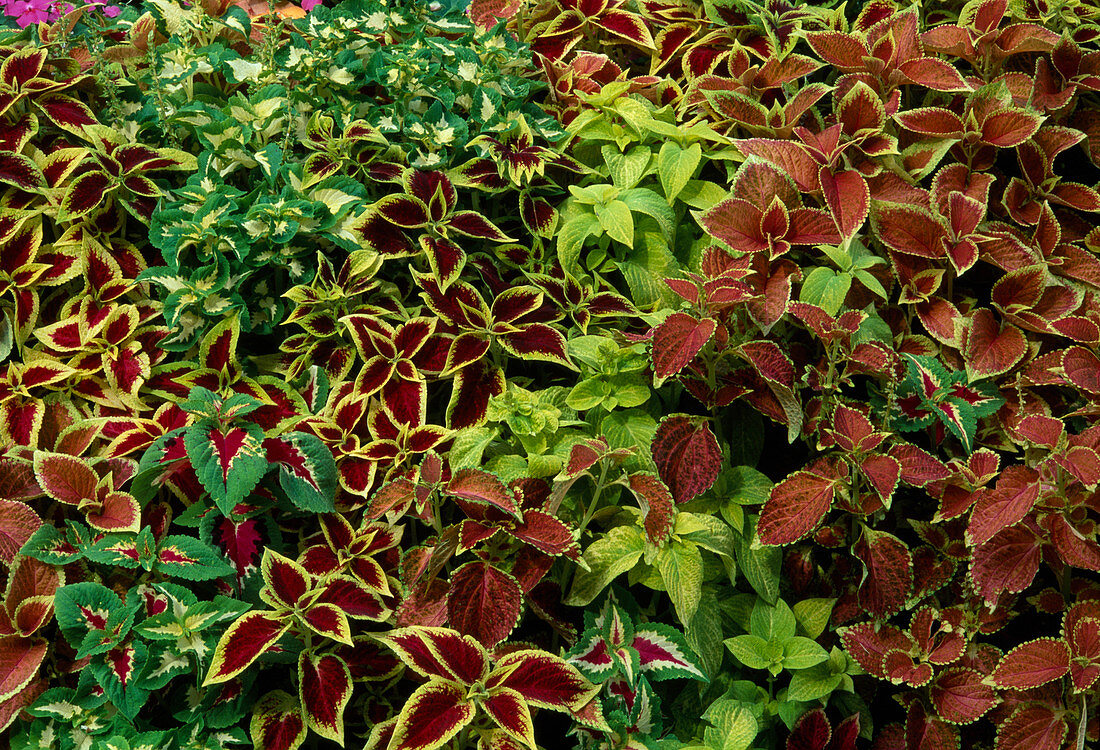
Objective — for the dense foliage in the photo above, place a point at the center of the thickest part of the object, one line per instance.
(616, 374)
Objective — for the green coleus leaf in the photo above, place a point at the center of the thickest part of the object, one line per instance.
(84, 609)
(229, 460)
(188, 558)
(118, 671)
(607, 557)
(307, 470)
(617, 221)
(826, 288)
(681, 568)
(52, 545)
(676, 166)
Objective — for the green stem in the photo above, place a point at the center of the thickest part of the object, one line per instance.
(592, 504)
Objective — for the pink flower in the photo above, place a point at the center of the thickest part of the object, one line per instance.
(26, 12)
(308, 5)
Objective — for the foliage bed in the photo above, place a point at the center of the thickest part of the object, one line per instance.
(544, 373)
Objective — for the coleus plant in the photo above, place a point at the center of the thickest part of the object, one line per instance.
(828, 280)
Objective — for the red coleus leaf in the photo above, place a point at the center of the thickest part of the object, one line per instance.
(328, 620)
(20, 171)
(677, 341)
(484, 602)
(627, 25)
(925, 731)
(286, 582)
(536, 341)
(848, 198)
(474, 385)
(656, 503)
(868, 644)
(1082, 368)
(473, 224)
(888, 567)
(546, 533)
(883, 472)
(84, 194)
(687, 456)
(244, 641)
(1083, 637)
(932, 121)
(439, 653)
(482, 487)
(403, 211)
(20, 659)
(240, 541)
(67, 113)
(277, 722)
(544, 680)
(354, 599)
(1032, 664)
(1010, 127)
(118, 512)
(960, 696)
(67, 479)
(1034, 726)
(911, 230)
(1008, 562)
(324, 686)
(18, 522)
(811, 732)
(434, 713)
(509, 710)
(992, 348)
(795, 507)
(1006, 504)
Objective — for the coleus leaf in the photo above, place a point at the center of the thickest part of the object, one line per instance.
(1007, 503)
(64, 478)
(324, 684)
(544, 680)
(439, 653)
(1007, 562)
(484, 602)
(592, 656)
(677, 341)
(118, 512)
(1032, 664)
(277, 722)
(18, 523)
(21, 657)
(888, 567)
(84, 194)
(118, 671)
(663, 653)
(656, 503)
(307, 470)
(687, 456)
(249, 637)
(795, 507)
(435, 712)
(185, 557)
(992, 348)
(960, 696)
(848, 198)
(1034, 726)
(92, 617)
(482, 487)
(510, 712)
(229, 461)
